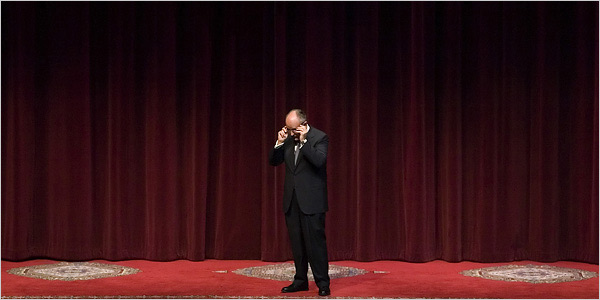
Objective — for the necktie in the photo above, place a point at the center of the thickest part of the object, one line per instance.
(296, 152)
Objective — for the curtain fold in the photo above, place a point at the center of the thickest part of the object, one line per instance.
(458, 131)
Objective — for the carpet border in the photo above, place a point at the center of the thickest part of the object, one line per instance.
(206, 297)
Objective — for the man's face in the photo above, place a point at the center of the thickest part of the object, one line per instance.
(291, 123)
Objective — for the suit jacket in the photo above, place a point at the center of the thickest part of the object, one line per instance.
(309, 176)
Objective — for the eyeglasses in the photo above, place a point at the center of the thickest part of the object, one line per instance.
(293, 131)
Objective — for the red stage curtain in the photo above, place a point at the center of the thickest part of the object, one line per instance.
(458, 131)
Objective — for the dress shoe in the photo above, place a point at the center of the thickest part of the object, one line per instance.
(324, 291)
(295, 288)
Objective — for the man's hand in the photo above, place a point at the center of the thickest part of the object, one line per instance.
(302, 129)
(281, 135)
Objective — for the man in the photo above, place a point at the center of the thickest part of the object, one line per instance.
(304, 150)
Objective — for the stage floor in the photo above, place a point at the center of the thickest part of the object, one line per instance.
(258, 279)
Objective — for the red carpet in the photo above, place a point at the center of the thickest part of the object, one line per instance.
(179, 279)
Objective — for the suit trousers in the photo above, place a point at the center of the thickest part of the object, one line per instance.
(307, 236)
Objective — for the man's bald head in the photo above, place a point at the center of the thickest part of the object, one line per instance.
(295, 118)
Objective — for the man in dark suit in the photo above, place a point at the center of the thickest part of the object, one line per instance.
(304, 150)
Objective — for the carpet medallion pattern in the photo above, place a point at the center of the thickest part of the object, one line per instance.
(531, 273)
(69, 271)
(286, 271)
